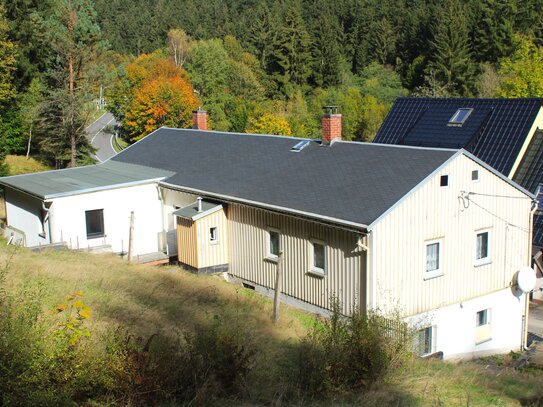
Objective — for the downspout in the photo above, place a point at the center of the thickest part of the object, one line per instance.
(46, 219)
(363, 273)
(524, 341)
(162, 214)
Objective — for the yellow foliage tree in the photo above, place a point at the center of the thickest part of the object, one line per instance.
(268, 123)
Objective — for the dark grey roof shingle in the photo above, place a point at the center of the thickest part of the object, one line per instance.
(352, 182)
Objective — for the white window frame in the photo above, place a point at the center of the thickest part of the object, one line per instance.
(321, 272)
(478, 175)
(488, 258)
(439, 271)
(417, 343)
(216, 240)
(269, 254)
(483, 332)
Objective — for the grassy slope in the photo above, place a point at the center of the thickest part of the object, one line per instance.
(18, 164)
(145, 300)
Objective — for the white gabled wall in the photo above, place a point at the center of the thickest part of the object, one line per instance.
(433, 212)
(436, 213)
(68, 218)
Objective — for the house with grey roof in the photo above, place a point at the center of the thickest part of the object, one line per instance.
(397, 228)
(505, 133)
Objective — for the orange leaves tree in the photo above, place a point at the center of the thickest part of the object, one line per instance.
(150, 93)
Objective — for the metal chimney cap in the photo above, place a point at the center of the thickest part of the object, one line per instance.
(331, 109)
(199, 204)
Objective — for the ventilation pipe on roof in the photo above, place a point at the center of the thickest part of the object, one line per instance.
(199, 119)
(331, 125)
(199, 204)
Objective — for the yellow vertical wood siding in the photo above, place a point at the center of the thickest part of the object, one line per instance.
(398, 242)
(249, 249)
(212, 254)
(187, 247)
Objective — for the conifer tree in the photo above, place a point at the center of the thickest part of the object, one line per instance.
(451, 55)
(291, 57)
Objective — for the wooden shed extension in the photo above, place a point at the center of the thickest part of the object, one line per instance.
(202, 237)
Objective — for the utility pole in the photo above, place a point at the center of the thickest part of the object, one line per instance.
(131, 237)
(278, 283)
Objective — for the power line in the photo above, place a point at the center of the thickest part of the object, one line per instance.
(463, 198)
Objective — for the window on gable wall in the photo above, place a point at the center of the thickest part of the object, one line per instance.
(481, 248)
(432, 257)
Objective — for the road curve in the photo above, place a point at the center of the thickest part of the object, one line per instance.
(100, 140)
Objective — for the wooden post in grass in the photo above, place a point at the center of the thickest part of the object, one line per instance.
(131, 237)
(278, 282)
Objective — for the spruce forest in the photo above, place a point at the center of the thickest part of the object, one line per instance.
(259, 66)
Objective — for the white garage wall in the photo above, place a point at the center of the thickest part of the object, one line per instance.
(68, 218)
(23, 213)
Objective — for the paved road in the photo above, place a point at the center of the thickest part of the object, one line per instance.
(100, 140)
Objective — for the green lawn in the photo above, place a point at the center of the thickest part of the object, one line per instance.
(144, 300)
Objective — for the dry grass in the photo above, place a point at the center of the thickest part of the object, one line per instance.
(18, 164)
(145, 300)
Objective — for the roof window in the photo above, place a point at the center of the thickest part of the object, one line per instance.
(300, 146)
(460, 117)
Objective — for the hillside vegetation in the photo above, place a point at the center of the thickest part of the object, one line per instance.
(77, 327)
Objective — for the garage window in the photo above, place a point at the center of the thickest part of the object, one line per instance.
(95, 223)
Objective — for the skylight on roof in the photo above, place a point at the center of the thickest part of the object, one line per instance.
(300, 146)
(460, 117)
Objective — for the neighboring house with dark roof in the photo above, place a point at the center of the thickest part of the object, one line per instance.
(507, 134)
(379, 227)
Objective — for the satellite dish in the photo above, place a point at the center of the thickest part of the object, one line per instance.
(526, 279)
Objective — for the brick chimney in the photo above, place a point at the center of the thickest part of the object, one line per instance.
(331, 125)
(199, 119)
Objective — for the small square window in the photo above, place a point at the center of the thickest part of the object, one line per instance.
(213, 235)
(424, 341)
(444, 181)
(475, 175)
(273, 243)
(95, 223)
(482, 255)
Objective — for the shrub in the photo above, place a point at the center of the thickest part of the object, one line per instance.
(210, 363)
(350, 353)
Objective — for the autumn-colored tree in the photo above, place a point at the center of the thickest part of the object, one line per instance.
(268, 123)
(152, 92)
(160, 102)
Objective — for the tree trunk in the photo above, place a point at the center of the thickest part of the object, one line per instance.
(73, 150)
(29, 141)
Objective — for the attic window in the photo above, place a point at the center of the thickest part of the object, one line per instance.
(460, 117)
(444, 181)
(300, 146)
